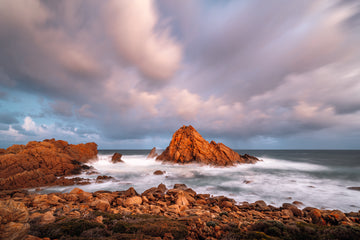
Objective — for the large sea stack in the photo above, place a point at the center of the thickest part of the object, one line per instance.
(188, 146)
(42, 163)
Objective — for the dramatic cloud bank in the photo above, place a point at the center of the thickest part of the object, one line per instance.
(126, 74)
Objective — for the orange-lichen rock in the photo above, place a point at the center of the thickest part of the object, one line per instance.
(41, 163)
(188, 146)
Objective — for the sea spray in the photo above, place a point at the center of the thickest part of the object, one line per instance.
(273, 180)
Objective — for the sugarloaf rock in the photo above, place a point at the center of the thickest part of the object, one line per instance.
(42, 163)
(188, 146)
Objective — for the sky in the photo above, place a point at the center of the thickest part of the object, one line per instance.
(252, 74)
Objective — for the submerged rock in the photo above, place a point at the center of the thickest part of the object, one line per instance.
(41, 163)
(188, 146)
(152, 153)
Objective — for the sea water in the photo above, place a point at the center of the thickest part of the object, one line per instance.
(317, 178)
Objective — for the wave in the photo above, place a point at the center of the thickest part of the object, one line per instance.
(273, 180)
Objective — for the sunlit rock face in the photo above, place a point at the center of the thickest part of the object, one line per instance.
(188, 146)
(41, 163)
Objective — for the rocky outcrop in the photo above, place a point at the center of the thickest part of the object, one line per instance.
(152, 153)
(42, 163)
(188, 146)
(116, 158)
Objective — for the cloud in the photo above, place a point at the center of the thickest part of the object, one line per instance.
(8, 118)
(62, 108)
(140, 40)
(132, 72)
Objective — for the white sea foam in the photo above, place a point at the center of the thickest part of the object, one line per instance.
(272, 180)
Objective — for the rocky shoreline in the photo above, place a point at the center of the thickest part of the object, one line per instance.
(161, 213)
(157, 213)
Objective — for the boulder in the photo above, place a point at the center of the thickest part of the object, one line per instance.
(13, 220)
(136, 200)
(152, 153)
(188, 146)
(47, 218)
(116, 158)
(41, 163)
(100, 204)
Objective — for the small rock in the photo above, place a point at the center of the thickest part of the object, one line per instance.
(130, 192)
(180, 186)
(227, 204)
(101, 204)
(136, 200)
(116, 158)
(159, 172)
(261, 204)
(47, 218)
(99, 219)
(297, 203)
(76, 191)
(181, 199)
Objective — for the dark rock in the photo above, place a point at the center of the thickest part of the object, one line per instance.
(188, 146)
(354, 188)
(159, 172)
(180, 186)
(130, 192)
(100, 179)
(116, 158)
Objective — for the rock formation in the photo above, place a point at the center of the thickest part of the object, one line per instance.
(152, 153)
(42, 163)
(188, 146)
(116, 158)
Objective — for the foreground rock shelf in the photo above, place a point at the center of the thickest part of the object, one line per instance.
(160, 213)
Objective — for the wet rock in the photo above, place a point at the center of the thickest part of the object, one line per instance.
(354, 188)
(152, 153)
(159, 172)
(180, 186)
(116, 158)
(297, 203)
(130, 192)
(188, 146)
(103, 178)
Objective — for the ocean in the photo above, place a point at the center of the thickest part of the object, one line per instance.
(317, 178)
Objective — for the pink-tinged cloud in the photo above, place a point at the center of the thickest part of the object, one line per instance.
(141, 39)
